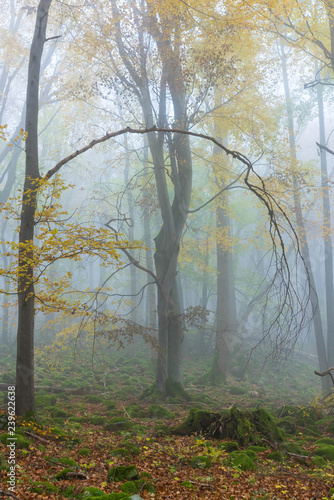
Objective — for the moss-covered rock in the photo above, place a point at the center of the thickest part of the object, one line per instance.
(63, 473)
(123, 473)
(132, 448)
(117, 424)
(90, 491)
(94, 398)
(326, 451)
(67, 461)
(43, 487)
(44, 400)
(98, 420)
(318, 461)
(21, 442)
(325, 440)
(236, 390)
(243, 461)
(133, 487)
(200, 462)
(256, 449)
(135, 411)
(84, 452)
(245, 427)
(275, 455)
(59, 412)
(288, 425)
(230, 446)
(112, 496)
(156, 411)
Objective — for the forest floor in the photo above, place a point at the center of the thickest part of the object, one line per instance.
(68, 453)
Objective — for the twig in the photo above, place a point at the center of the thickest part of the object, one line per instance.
(34, 436)
(79, 475)
(327, 372)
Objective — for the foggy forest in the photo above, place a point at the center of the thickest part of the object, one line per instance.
(166, 263)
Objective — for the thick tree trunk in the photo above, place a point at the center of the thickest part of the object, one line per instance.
(25, 398)
(317, 321)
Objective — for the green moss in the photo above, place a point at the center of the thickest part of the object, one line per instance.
(230, 446)
(237, 390)
(274, 455)
(90, 491)
(132, 448)
(325, 440)
(123, 473)
(327, 452)
(43, 487)
(288, 425)
(21, 442)
(63, 473)
(156, 411)
(98, 420)
(245, 427)
(117, 424)
(58, 412)
(133, 487)
(187, 484)
(79, 420)
(67, 461)
(110, 405)
(120, 452)
(318, 461)
(256, 449)
(84, 452)
(135, 411)
(243, 461)
(293, 448)
(176, 390)
(200, 462)
(94, 398)
(43, 400)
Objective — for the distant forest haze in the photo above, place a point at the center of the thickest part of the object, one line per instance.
(166, 185)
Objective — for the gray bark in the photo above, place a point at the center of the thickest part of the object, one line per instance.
(25, 398)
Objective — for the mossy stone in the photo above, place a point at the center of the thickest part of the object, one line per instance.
(111, 496)
(63, 473)
(156, 411)
(256, 449)
(58, 412)
(235, 390)
(98, 420)
(200, 462)
(94, 399)
(67, 461)
(325, 440)
(275, 455)
(135, 411)
(21, 442)
(117, 425)
(327, 452)
(230, 446)
(84, 452)
(123, 473)
(243, 461)
(110, 405)
(43, 400)
(79, 420)
(132, 448)
(120, 452)
(90, 491)
(133, 487)
(318, 461)
(288, 425)
(293, 448)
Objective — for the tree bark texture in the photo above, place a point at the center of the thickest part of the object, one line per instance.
(25, 399)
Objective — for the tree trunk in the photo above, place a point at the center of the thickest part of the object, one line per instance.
(25, 398)
(327, 232)
(317, 321)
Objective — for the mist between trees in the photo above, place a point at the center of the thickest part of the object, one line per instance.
(165, 185)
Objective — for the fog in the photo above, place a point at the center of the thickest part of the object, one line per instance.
(198, 239)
